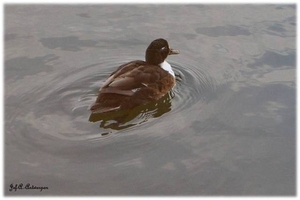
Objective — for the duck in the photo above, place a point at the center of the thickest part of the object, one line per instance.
(138, 82)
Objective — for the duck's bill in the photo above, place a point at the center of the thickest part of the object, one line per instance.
(173, 51)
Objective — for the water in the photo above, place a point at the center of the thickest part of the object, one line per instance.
(227, 128)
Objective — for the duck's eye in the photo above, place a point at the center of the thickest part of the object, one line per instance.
(164, 48)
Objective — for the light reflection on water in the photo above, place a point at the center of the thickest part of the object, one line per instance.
(227, 127)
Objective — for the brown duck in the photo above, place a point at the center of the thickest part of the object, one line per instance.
(138, 82)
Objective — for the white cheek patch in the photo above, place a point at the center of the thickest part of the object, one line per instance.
(166, 66)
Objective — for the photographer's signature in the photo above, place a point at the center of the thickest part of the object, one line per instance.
(28, 186)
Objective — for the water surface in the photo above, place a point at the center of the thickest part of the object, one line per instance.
(227, 129)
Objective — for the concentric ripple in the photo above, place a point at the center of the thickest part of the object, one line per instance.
(64, 101)
(191, 86)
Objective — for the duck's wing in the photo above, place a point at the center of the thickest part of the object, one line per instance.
(132, 76)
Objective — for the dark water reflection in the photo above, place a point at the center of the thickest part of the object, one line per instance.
(120, 119)
(222, 31)
(69, 43)
(227, 127)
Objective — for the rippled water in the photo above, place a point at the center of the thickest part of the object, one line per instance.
(227, 127)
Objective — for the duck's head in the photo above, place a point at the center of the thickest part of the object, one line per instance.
(158, 51)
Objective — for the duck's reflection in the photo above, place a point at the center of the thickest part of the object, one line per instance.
(118, 120)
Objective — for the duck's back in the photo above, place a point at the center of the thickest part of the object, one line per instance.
(132, 84)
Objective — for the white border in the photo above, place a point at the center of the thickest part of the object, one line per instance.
(151, 1)
(132, 2)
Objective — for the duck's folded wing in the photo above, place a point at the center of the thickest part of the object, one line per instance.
(122, 70)
(126, 85)
(131, 81)
(120, 85)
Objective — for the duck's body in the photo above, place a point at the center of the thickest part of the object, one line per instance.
(138, 82)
